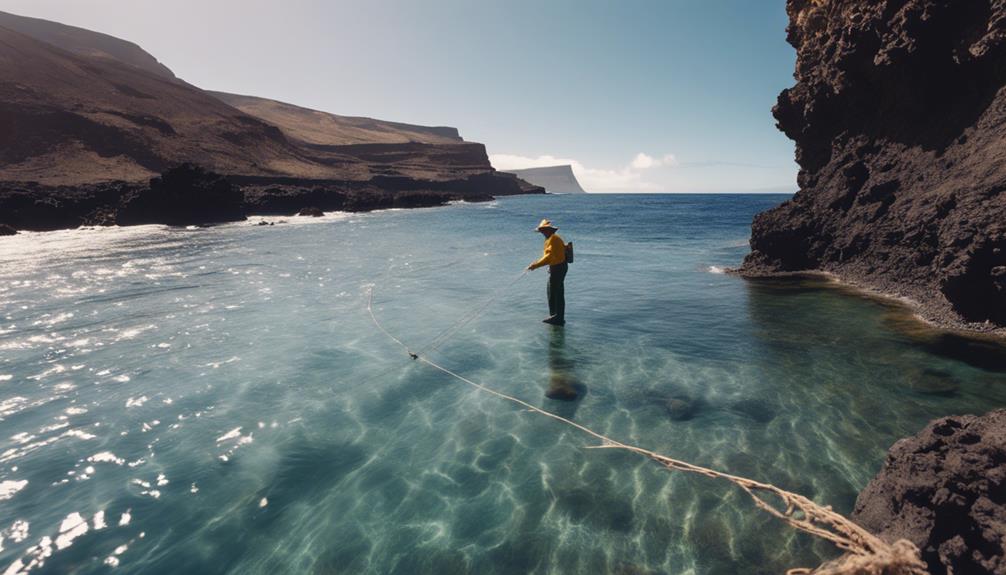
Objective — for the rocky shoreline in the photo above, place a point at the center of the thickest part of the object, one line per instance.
(189, 195)
(944, 489)
(933, 312)
(899, 118)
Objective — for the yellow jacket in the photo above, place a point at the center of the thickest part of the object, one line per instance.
(555, 252)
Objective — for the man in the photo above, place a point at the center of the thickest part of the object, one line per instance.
(555, 259)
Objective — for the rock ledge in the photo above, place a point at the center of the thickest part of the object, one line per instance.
(944, 490)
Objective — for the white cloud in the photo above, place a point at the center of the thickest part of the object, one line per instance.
(643, 161)
(625, 179)
(513, 162)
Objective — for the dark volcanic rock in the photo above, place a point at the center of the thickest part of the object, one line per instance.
(899, 119)
(183, 195)
(102, 216)
(421, 199)
(313, 211)
(290, 195)
(190, 194)
(29, 206)
(944, 490)
(291, 199)
(6, 230)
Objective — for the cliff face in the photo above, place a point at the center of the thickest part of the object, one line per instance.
(899, 119)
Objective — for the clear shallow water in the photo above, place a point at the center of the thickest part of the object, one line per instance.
(218, 400)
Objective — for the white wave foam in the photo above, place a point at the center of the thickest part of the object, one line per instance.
(232, 434)
(9, 488)
(295, 220)
(106, 457)
(31, 250)
(72, 527)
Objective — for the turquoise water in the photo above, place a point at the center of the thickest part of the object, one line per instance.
(218, 400)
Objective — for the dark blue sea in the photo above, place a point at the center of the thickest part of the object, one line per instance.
(218, 400)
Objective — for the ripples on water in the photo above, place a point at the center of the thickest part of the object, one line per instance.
(216, 400)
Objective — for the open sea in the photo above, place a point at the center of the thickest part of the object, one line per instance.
(218, 400)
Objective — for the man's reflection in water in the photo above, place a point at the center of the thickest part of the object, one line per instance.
(562, 383)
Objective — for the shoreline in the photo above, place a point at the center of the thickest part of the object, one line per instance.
(189, 195)
(932, 315)
(256, 219)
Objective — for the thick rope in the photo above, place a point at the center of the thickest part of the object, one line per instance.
(865, 553)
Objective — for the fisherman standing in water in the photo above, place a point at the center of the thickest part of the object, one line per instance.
(555, 259)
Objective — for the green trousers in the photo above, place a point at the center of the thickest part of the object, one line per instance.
(556, 290)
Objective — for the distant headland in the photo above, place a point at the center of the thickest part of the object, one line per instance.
(555, 179)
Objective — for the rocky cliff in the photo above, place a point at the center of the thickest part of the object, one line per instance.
(899, 119)
(944, 490)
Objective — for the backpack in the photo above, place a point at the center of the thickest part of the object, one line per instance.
(569, 253)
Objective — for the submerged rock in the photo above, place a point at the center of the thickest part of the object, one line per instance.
(930, 381)
(681, 408)
(562, 391)
(759, 410)
(944, 490)
(629, 569)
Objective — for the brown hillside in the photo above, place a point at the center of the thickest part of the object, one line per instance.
(85, 42)
(70, 119)
(314, 127)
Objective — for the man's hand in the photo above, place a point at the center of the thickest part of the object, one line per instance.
(530, 266)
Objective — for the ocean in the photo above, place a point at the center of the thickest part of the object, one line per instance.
(219, 400)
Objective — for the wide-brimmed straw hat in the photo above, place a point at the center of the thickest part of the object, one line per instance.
(545, 225)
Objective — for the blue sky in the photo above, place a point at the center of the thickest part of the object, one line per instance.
(670, 95)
